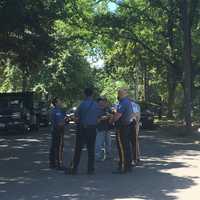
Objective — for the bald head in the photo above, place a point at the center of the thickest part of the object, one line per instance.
(122, 93)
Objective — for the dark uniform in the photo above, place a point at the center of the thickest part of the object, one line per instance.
(57, 142)
(123, 134)
(87, 114)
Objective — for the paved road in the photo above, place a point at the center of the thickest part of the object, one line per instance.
(170, 171)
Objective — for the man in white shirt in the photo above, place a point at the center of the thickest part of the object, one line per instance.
(135, 135)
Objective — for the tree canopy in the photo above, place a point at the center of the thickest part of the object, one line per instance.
(152, 47)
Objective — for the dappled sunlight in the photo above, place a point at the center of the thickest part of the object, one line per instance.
(159, 177)
(4, 145)
(130, 198)
(28, 140)
(9, 158)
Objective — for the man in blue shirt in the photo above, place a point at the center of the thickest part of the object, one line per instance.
(57, 141)
(87, 115)
(124, 122)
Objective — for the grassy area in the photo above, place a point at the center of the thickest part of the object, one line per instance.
(176, 128)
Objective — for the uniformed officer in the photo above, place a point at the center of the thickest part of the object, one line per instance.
(57, 133)
(124, 119)
(87, 115)
(134, 137)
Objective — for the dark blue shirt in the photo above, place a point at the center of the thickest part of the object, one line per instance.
(104, 124)
(126, 109)
(57, 116)
(88, 112)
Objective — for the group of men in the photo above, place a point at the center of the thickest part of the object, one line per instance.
(93, 120)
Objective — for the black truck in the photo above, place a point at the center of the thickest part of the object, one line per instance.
(17, 113)
(42, 110)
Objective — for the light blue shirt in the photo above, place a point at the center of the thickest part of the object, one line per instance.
(135, 107)
(88, 112)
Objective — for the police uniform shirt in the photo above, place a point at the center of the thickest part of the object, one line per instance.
(135, 107)
(125, 108)
(88, 112)
(57, 116)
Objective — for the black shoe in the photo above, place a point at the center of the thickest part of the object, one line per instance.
(138, 162)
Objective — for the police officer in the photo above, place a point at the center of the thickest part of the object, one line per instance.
(124, 119)
(134, 136)
(87, 115)
(57, 133)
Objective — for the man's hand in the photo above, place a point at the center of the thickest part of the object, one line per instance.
(115, 117)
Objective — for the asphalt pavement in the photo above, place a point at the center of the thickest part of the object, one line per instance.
(170, 170)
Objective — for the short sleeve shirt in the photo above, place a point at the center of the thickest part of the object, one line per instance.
(125, 108)
(104, 125)
(57, 116)
(135, 107)
(88, 112)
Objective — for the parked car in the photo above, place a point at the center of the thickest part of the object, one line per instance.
(41, 109)
(70, 114)
(148, 111)
(16, 112)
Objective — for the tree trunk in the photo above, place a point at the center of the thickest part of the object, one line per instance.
(24, 81)
(146, 84)
(187, 62)
(171, 91)
(171, 73)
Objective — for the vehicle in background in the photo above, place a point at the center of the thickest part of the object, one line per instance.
(17, 113)
(42, 111)
(148, 112)
(70, 115)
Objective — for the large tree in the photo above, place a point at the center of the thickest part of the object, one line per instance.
(26, 32)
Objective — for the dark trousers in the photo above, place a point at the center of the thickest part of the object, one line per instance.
(134, 139)
(124, 147)
(85, 136)
(57, 146)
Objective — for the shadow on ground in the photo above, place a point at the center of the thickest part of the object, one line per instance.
(24, 173)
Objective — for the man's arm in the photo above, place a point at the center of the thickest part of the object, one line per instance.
(117, 115)
(77, 114)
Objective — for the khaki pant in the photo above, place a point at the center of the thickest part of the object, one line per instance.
(57, 147)
(135, 141)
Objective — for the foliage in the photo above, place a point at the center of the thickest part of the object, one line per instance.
(140, 42)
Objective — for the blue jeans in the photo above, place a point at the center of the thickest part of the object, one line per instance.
(103, 141)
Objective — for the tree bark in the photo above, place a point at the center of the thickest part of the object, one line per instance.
(24, 81)
(171, 71)
(146, 84)
(187, 60)
(171, 91)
